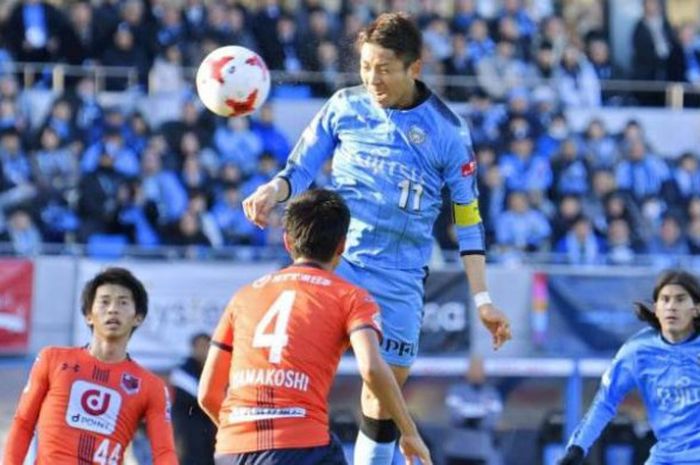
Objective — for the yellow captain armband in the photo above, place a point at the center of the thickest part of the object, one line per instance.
(466, 214)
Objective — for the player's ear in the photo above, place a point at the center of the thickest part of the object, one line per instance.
(139, 319)
(287, 242)
(341, 247)
(414, 68)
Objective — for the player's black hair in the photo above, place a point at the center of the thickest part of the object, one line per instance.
(197, 336)
(394, 31)
(681, 278)
(120, 277)
(316, 222)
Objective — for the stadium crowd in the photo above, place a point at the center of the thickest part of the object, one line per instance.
(90, 172)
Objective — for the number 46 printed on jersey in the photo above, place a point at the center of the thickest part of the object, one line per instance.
(278, 338)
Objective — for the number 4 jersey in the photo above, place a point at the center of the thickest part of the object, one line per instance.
(86, 411)
(287, 332)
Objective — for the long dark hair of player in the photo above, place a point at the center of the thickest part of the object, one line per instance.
(678, 277)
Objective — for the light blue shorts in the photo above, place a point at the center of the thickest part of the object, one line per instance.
(399, 294)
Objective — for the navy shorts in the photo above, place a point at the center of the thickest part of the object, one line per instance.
(331, 454)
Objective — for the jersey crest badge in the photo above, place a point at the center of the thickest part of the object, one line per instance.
(131, 384)
(416, 135)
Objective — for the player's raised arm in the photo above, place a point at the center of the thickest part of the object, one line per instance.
(311, 151)
(379, 378)
(617, 381)
(24, 421)
(158, 425)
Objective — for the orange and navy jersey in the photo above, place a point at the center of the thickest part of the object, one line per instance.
(86, 411)
(287, 332)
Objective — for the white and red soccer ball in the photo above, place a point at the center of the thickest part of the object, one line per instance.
(233, 81)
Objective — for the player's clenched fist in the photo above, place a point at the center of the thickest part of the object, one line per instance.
(259, 204)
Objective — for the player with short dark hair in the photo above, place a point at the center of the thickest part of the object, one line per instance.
(663, 363)
(394, 145)
(87, 403)
(278, 345)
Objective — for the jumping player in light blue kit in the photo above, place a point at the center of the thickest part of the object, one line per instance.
(393, 144)
(663, 363)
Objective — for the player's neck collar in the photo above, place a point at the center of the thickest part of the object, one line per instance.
(310, 265)
(691, 337)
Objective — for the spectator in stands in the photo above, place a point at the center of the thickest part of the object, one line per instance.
(16, 169)
(576, 80)
(522, 170)
(554, 35)
(237, 143)
(89, 40)
(619, 205)
(693, 234)
(569, 208)
(138, 18)
(319, 31)
(514, 9)
(652, 41)
(136, 215)
(464, 16)
(545, 62)
(266, 20)
(89, 114)
(480, 43)
(521, 228)
(329, 67)
(684, 60)
(570, 172)
(266, 168)
(62, 120)
(171, 27)
(436, 36)
(484, 117)
(11, 119)
(190, 147)
(621, 248)
(686, 177)
(126, 161)
(191, 118)
(580, 245)
(600, 148)
(549, 144)
(97, 204)
(167, 76)
(55, 168)
(273, 139)
(499, 73)
(35, 32)
(187, 233)
(670, 240)
(229, 216)
(199, 206)
(239, 32)
(193, 174)
(598, 53)
(125, 51)
(195, 434)
(162, 187)
(641, 173)
(22, 233)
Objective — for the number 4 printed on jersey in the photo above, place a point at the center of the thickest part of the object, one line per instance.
(104, 457)
(278, 338)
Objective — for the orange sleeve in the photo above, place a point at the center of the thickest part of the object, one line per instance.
(363, 312)
(158, 425)
(223, 334)
(24, 421)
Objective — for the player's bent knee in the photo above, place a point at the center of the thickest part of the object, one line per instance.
(379, 430)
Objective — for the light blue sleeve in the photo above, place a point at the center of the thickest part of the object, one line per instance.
(460, 177)
(617, 381)
(314, 147)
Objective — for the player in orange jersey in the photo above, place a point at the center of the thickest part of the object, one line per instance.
(86, 403)
(278, 344)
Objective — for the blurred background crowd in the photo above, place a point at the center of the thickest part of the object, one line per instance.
(91, 170)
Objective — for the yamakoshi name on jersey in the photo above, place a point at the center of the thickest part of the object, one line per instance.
(270, 377)
(678, 397)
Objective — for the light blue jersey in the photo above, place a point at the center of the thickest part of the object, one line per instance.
(668, 378)
(390, 166)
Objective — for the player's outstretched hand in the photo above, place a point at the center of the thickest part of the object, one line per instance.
(497, 323)
(414, 450)
(574, 456)
(259, 204)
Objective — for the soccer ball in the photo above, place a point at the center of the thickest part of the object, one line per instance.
(233, 81)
